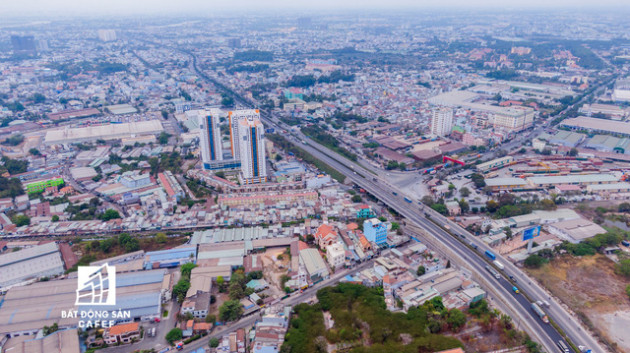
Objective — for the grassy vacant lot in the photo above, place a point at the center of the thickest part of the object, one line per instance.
(590, 286)
(362, 324)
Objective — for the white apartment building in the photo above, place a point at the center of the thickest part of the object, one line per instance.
(442, 121)
(336, 255)
(251, 138)
(210, 135)
(234, 117)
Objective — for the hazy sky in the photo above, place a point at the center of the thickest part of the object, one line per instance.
(42, 7)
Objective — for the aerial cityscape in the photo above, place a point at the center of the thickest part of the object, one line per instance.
(272, 178)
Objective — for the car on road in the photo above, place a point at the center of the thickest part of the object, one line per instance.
(395, 193)
(512, 278)
(474, 246)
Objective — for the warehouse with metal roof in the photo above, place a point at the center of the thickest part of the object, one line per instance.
(27, 309)
(585, 179)
(104, 132)
(30, 263)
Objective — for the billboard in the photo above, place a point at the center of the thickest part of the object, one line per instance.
(531, 233)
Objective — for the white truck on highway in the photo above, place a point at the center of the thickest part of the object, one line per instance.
(498, 265)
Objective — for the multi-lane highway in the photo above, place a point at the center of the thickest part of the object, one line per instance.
(546, 334)
(475, 259)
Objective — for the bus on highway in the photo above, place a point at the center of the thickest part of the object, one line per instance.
(408, 200)
(563, 346)
(491, 255)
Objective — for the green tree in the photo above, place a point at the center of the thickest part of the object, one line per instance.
(211, 319)
(214, 342)
(180, 289)
(624, 267)
(186, 269)
(174, 335)
(464, 191)
(21, 220)
(230, 310)
(356, 199)
(624, 207)
(492, 206)
(573, 152)
(161, 238)
(628, 290)
(478, 180)
(34, 151)
(535, 261)
(421, 270)
(38, 98)
(110, 214)
(456, 319)
(440, 207)
(14, 166)
(163, 138)
(55, 218)
(464, 206)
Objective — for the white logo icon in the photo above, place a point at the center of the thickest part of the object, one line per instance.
(96, 285)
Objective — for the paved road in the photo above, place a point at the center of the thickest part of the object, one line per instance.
(294, 299)
(377, 186)
(476, 259)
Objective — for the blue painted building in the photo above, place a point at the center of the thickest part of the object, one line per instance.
(375, 231)
(171, 257)
(364, 212)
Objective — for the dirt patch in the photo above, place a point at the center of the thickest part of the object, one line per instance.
(273, 269)
(589, 285)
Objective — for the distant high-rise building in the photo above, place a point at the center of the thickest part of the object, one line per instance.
(304, 22)
(107, 35)
(210, 142)
(23, 44)
(251, 141)
(441, 121)
(234, 43)
(233, 119)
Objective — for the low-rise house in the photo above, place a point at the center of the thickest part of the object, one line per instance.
(123, 333)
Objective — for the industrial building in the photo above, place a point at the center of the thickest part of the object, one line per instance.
(510, 118)
(621, 92)
(611, 127)
(104, 132)
(221, 235)
(30, 263)
(606, 189)
(507, 184)
(62, 341)
(606, 143)
(171, 257)
(575, 230)
(563, 138)
(314, 264)
(27, 309)
(585, 179)
(495, 163)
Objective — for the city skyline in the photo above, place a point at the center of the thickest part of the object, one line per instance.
(162, 7)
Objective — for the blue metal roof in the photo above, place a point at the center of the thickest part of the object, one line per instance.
(139, 278)
(172, 254)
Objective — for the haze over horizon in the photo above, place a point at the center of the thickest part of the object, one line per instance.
(125, 7)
